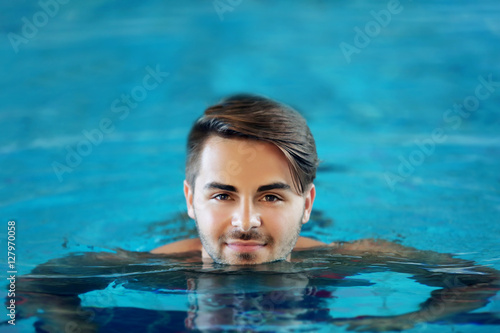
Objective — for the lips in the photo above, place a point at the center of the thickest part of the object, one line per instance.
(245, 246)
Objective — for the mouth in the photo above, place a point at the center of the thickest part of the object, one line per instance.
(245, 246)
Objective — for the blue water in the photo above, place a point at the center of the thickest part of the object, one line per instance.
(366, 113)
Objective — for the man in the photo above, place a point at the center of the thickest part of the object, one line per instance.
(249, 182)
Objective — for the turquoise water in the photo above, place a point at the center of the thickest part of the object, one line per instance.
(384, 173)
(318, 290)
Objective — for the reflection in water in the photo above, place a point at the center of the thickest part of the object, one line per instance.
(252, 299)
(138, 292)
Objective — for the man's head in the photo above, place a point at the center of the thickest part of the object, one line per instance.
(249, 179)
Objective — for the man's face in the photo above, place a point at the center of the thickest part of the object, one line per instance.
(244, 204)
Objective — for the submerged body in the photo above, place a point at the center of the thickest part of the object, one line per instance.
(181, 292)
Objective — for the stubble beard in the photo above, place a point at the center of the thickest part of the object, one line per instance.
(246, 258)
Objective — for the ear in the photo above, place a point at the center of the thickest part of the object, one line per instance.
(309, 195)
(188, 194)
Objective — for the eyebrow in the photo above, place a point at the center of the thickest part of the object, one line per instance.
(231, 188)
(220, 186)
(273, 186)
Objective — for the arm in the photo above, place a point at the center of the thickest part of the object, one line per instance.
(186, 245)
(50, 292)
(464, 285)
(442, 305)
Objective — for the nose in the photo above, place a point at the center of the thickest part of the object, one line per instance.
(246, 217)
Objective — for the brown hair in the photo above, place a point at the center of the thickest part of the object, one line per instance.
(258, 118)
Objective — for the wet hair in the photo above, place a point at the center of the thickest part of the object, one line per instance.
(256, 118)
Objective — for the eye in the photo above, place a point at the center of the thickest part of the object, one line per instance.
(271, 198)
(222, 197)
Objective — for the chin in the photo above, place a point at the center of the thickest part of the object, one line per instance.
(239, 259)
(230, 257)
(246, 259)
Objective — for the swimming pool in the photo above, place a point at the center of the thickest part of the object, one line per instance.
(396, 163)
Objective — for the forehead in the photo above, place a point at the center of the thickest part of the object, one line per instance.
(242, 162)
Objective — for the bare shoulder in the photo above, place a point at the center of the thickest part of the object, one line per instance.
(306, 242)
(185, 245)
(373, 246)
(360, 246)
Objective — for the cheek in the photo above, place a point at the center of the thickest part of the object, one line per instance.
(278, 222)
(212, 219)
(282, 222)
